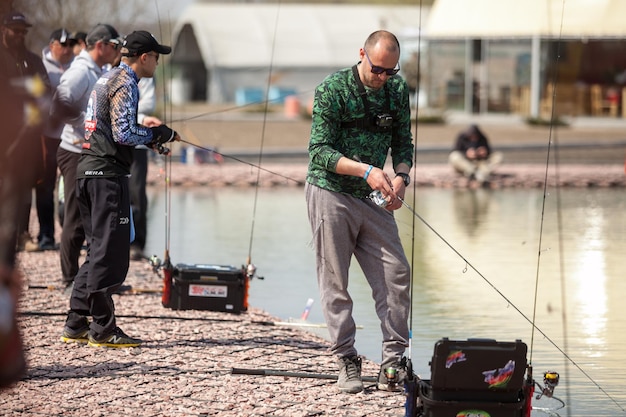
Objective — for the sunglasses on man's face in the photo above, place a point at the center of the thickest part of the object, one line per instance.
(379, 70)
(68, 44)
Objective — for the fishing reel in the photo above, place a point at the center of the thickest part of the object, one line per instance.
(156, 263)
(550, 380)
(162, 150)
(377, 197)
(251, 271)
(393, 378)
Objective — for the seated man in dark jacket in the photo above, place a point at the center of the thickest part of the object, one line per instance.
(472, 156)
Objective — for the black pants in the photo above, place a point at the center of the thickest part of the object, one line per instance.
(138, 197)
(44, 190)
(105, 209)
(73, 233)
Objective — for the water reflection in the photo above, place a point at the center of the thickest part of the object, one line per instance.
(515, 264)
(471, 207)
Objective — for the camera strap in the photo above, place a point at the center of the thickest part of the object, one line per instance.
(365, 122)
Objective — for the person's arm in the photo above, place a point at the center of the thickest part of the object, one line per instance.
(65, 106)
(147, 103)
(402, 139)
(124, 126)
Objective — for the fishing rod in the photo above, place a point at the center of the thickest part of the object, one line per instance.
(275, 372)
(250, 267)
(133, 316)
(411, 382)
(166, 265)
(561, 254)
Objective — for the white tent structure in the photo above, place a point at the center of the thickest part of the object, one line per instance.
(543, 18)
(223, 50)
(529, 19)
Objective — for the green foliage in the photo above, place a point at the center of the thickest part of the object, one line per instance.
(538, 121)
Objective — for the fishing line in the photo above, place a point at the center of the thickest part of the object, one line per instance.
(510, 303)
(252, 104)
(260, 168)
(261, 145)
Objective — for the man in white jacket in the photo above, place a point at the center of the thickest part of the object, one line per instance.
(68, 106)
(139, 169)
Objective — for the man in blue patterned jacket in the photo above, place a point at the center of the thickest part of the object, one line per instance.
(111, 133)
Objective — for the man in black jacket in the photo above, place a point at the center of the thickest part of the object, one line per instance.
(472, 155)
(25, 70)
(111, 133)
(22, 94)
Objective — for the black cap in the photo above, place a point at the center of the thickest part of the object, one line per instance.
(79, 36)
(15, 19)
(102, 32)
(139, 42)
(61, 35)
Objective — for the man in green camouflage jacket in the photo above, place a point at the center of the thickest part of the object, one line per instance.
(359, 115)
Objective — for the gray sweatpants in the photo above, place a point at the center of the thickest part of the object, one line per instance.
(344, 226)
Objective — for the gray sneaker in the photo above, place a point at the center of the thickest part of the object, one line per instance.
(391, 377)
(349, 380)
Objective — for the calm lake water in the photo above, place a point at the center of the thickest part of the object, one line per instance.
(559, 265)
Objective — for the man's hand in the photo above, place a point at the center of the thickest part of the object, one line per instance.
(379, 180)
(400, 189)
(151, 121)
(481, 153)
(162, 134)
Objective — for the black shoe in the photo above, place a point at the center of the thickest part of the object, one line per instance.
(76, 335)
(47, 243)
(118, 339)
(122, 289)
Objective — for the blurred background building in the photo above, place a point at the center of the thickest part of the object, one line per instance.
(474, 56)
(507, 56)
(225, 52)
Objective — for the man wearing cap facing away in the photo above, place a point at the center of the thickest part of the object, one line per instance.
(57, 57)
(111, 133)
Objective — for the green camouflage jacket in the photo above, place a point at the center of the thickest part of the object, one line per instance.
(334, 132)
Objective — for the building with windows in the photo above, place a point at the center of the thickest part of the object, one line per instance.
(511, 56)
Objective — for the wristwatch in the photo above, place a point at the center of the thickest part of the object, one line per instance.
(405, 177)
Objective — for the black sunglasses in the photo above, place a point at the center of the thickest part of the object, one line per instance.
(379, 70)
(115, 45)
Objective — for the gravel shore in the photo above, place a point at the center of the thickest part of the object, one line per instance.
(184, 367)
